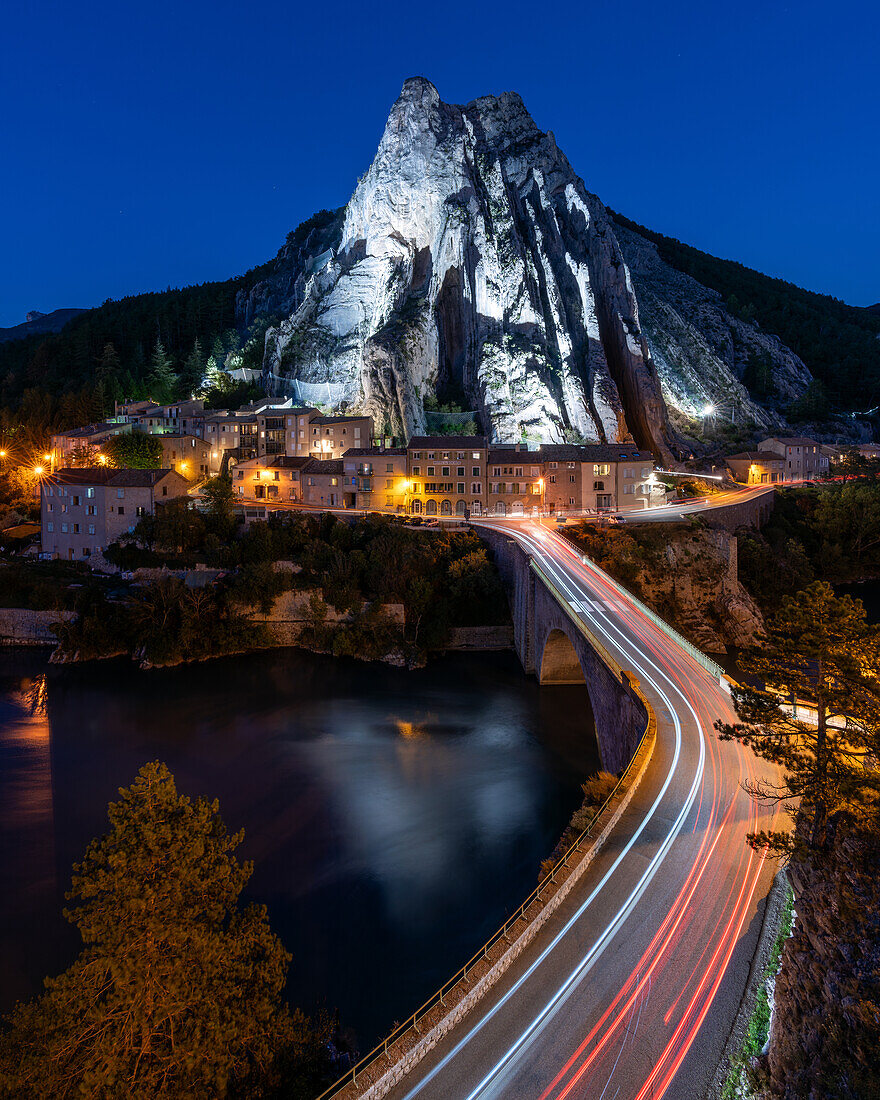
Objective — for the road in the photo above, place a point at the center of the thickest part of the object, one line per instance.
(631, 989)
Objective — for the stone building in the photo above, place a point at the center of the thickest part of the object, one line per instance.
(83, 511)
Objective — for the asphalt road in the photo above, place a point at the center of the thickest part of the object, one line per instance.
(631, 989)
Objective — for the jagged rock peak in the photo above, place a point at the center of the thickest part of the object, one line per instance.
(474, 265)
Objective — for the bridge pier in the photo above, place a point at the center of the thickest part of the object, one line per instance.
(551, 647)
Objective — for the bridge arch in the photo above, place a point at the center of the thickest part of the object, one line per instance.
(560, 663)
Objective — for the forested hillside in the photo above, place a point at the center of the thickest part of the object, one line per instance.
(839, 343)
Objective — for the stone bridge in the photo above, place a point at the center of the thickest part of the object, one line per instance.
(550, 645)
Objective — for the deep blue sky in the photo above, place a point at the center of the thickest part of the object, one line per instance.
(162, 144)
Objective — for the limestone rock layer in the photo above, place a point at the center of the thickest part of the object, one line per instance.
(472, 264)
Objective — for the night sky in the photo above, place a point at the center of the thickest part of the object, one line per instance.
(169, 143)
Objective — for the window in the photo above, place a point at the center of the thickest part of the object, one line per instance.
(76, 500)
(91, 528)
(121, 510)
(475, 471)
(629, 472)
(120, 493)
(553, 479)
(389, 482)
(444, 471)
(601, 469)
(430, 471)
(460, 471)
(553, 465)
(477, 487)
(518, 471)
(599, 486)
(140, 511)
(646, 473)
(571, 478)
(389, 467)
(50, 527)
(629, 488)
(459, 488)
(416, 469)
(475, 454)
(164, 490)
(63, 528)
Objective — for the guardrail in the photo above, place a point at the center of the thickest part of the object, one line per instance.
(381, 1049)
(698, 655)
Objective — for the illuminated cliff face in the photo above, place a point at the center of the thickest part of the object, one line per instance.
(472, 262)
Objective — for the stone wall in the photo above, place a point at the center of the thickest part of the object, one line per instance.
(20, 626)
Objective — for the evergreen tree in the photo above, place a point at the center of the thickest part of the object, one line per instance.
(820, 652)
(177, 991)
(219, 496)
(193, 370)
(162, 380)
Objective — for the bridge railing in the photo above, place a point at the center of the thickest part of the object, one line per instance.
(549, 880)
(712, 667)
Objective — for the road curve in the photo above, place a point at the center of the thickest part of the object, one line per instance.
(631, 989)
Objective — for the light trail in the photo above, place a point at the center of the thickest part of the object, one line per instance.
(713, 895)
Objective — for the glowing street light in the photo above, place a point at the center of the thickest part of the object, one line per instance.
(708, 410)
(38, 470)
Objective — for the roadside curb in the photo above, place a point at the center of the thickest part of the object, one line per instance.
(378, 1078)
(773, 910)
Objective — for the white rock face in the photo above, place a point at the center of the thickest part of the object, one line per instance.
(473, 261)
(701, 350)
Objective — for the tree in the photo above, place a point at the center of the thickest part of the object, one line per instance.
(133, 451)
(162, 380)
(219, 495)
(820, 651)
(177, 991)
(193, 370)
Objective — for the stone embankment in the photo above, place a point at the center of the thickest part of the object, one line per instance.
(22, 627)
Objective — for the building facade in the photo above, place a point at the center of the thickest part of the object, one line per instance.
(757, 467)
(189, 455)
(804, 459)
(375, 478)
(83, 511)
(270, 478)
(447, 475)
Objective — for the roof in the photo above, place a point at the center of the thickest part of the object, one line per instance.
(323, 466)
(116, 479)
(510, 454)
(373, 452)
(792, 441)
(338, 419)
(94, 429)
(448, 442)
(756, 456)
(288, 462)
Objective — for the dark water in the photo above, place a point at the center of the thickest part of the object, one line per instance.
(394, 818)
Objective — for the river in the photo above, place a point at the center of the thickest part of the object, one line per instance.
(394, 817)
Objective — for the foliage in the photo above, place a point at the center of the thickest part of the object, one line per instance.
(161, 623)
(839, 343)
(830, 532)
(819, 651)
(597, 790)
(177, 991)
(133, 451)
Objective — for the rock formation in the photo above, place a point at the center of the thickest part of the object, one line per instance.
(701, 350)
(472, 262)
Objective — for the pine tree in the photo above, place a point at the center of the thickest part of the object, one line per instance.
(193, 370)
(814, 711)
(177, 991)
(162, 380)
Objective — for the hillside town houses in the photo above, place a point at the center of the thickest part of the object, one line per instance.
(280, 454)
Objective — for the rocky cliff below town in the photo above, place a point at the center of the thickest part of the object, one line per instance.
(473, 265)
(687, 573)
(826, 1023)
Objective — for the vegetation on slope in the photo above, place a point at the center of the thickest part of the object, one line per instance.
(838, 342)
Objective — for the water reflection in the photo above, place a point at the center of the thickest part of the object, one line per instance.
(394, 818)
